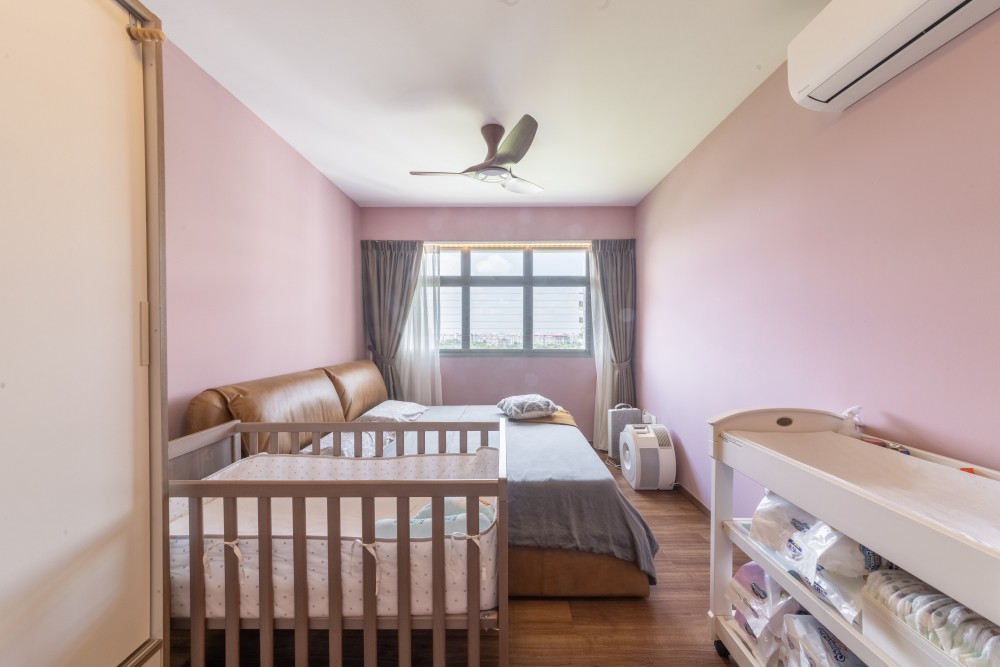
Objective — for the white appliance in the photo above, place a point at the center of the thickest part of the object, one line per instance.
(618, 418)
(648, 459)
(854, 46)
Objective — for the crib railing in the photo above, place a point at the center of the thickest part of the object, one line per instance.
(230, 491)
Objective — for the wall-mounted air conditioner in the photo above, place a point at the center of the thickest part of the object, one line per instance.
(854, 46)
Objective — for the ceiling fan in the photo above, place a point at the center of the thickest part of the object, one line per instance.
(500, 157)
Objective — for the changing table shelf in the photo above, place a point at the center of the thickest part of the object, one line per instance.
(931, 519)
(738, 532)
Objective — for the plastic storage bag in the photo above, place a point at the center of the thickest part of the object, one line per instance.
(806, 643)
(808, 542)
(759, 599)
(764, 644)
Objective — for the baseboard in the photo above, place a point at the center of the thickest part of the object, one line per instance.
(694, 501)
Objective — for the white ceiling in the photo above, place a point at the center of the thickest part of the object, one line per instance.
(368, 90)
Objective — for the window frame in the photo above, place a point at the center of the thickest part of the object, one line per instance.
(527, 281)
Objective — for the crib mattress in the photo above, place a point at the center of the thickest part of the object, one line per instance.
(481, 465)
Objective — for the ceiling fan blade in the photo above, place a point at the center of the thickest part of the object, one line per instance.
(521, 186)
(437, 173)
(517, 142)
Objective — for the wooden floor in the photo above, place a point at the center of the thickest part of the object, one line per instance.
(669, 629)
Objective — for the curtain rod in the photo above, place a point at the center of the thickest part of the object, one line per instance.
(453, 245)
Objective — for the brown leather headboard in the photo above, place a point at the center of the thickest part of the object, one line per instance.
(306, 396)
(359, 385)
(332, 394)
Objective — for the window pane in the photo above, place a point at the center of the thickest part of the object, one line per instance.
(451, 262)
(559, 318)
(496, 320)
(559, 262)
(451, 318)
(497, 262)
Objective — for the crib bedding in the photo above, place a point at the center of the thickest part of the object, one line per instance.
(561, 496)
(481, 465)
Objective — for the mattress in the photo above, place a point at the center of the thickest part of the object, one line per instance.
(481, 465)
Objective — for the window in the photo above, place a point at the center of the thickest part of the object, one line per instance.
(520, 300)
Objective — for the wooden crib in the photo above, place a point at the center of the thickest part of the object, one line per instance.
(235, 525)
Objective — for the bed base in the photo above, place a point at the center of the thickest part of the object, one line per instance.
(559, 573)
(474, 620)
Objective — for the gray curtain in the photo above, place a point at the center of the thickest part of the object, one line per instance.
(614, 261)
(389, 273)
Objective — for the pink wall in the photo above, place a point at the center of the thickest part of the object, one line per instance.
(798, 258)
(552, 223)
(263, 257)
(569, 381)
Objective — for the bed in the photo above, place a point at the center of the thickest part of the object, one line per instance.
(571, 529)
(340, 537)
(572, 532)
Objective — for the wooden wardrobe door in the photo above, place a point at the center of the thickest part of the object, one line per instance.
(75, 582)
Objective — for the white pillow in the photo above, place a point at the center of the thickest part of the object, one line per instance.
(527, 406)
(393, 411)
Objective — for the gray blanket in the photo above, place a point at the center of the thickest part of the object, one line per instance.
(561, 494)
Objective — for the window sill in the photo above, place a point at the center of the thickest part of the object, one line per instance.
(549, 354)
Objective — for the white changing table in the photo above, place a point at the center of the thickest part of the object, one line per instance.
(919, 511)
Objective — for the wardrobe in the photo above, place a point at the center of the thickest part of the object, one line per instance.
(81, 350)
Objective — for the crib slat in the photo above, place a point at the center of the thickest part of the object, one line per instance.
(300, 583)
(437, 579)
(335, 629)
(463, 441)
(442, 442)
(266, 582)
(317, 437)
(421, 442)
(503, 648)
(484, 438)
(472, 579)
(196, 544)
(403, 581)
(400, 442)
(337, 451)
(358, 442)
(379, 443)
(254, 445)
(369, 578)
(230, 534)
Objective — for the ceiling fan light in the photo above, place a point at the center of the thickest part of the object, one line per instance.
(493, 174)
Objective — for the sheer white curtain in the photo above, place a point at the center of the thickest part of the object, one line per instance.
(604, 396)
(419, 359)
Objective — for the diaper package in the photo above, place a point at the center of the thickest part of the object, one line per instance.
(828, 561)
(840, 592)
(760, 600)
(764, 644)
(809, 543)
(806, 643)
